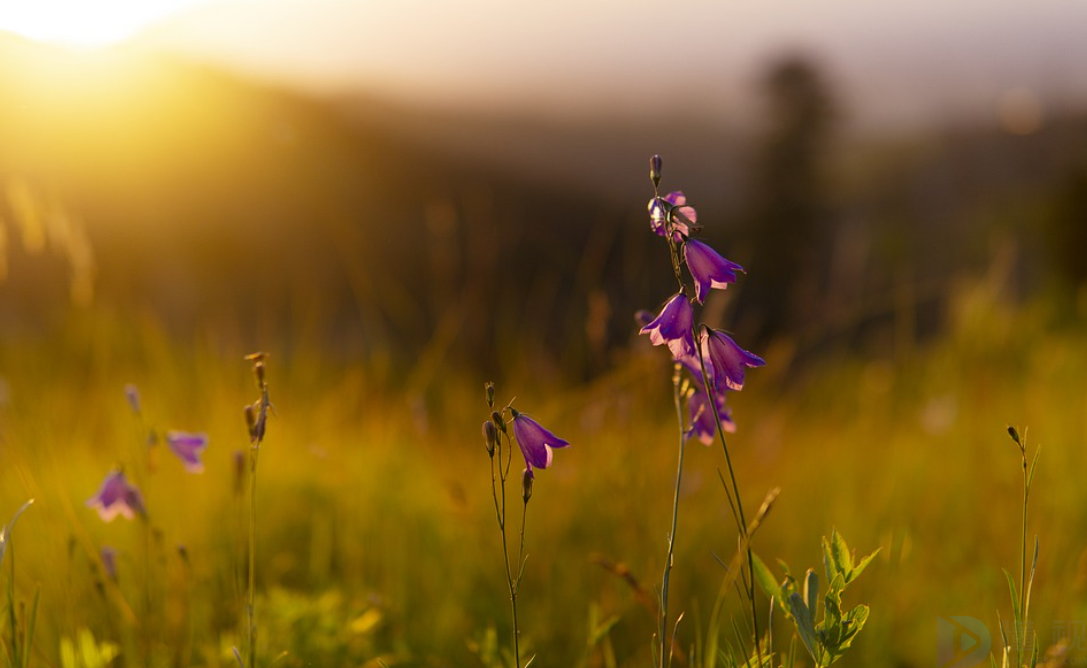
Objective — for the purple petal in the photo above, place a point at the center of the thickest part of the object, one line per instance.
(535, 442)
(673, 326)
(708, 268)
(728, 359)
(702, 423)
(117, 497)
(188, 447)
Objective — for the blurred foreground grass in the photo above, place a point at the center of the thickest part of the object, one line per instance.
(376, 529)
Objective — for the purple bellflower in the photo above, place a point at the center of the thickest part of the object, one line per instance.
(116, 497)
(188, 448)
(703, 425)
(673, 327)
(727, 359)
(671, 213)
(535, 442)
(708, 268)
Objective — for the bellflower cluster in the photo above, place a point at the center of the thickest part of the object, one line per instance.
(708, 364)
(671, 217)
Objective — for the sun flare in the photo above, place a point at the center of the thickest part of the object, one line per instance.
(82, 23)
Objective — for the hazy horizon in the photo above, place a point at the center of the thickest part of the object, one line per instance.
(897, 65)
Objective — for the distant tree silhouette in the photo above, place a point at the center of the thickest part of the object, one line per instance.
(788, 212)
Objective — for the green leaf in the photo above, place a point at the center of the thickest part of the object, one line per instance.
(830, 562)
(805, 626)
(5, 533)
(1033, 464)
(767, 582)
(1015, 597)
(811, 591)
(832, 619)
(839, 553)
(1030, 580)
(863, 564)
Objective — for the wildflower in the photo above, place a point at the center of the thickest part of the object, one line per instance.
(673, 326)
(535, 441)
(708, 268)
(109, 561)
(728, 360)
(671, 214)
(115, 497)
(132, 394)
(188, 447)
(702, 423)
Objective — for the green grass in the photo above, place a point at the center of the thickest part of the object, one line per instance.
(376, 532)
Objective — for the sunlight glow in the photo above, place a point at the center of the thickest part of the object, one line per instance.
(82, 23)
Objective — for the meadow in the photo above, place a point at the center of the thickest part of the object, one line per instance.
(376, 541)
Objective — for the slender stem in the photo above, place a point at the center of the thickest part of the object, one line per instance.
(251, 595)
(738, 508)
(500, 513)
(1020, 633)
(665, 650)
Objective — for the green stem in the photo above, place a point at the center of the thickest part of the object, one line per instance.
(665, 649)
(251, 587)
(500, 512)
(738, 508)
(1020, 634)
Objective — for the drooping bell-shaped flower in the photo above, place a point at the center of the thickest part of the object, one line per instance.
(673, 326)
(703, 425)
(727, 358)
(116, 497)
(708, 268)
(535, 442)
(188, 448)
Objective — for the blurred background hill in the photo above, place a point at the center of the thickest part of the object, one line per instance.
(193, 186)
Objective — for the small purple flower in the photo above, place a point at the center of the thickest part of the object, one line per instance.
(708, 268)
(535, 441)
(702, 423)
(727, 359)
(132, 394)
(188, 447)
(672, 214)
(673, 326)
(109, 561)
(117, 497)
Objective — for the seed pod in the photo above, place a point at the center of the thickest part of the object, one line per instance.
(526, 485)
(490, 437)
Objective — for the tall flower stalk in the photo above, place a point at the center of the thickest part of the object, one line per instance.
(708, 363)
(536, 444)
(256, 418)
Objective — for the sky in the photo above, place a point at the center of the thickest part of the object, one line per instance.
(891, 62)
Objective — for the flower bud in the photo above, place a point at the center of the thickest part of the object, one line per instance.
(251, 421)
(490, 437)
(496, 417)
(526, 485)
(490, 395)
(655, 170)
(1014, 433)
